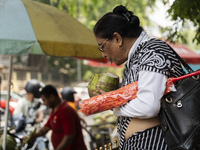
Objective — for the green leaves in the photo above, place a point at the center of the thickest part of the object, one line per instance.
(188, 14)
(89, 11)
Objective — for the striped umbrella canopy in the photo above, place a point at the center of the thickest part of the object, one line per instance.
(30, 27)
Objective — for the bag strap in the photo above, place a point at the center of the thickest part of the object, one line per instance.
(186, 66)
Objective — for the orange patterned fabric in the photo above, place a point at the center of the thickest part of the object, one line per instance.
(114, 98)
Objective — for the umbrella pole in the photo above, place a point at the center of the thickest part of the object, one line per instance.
(78, 70)
(7, 104)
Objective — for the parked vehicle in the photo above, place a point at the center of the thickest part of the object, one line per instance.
(25, 127)
(14, 97)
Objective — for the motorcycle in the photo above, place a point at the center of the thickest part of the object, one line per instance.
(26, 127)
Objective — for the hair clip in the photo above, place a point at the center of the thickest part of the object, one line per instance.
(127, 15)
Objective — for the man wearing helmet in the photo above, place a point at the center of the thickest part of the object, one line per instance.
(31, 100)
(67, 94)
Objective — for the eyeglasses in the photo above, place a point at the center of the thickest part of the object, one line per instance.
(101, 47)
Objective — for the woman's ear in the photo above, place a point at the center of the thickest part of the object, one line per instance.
(117, 37)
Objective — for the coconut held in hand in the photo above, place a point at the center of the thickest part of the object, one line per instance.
(105, 81)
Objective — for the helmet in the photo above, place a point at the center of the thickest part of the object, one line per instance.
(67, 93)
(33, 86)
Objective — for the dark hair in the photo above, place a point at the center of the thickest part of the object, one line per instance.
(49, 90)
(121, 21)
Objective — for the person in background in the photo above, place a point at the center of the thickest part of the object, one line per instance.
(151, 62)
(67, 94)
(31, 99)
(63, 121)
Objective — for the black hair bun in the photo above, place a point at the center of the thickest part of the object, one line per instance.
(127, 15)
(119, 10)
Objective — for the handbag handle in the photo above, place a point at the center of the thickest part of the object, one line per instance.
(186, 66)
(196, 73)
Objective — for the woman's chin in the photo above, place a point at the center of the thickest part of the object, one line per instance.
(117, 63)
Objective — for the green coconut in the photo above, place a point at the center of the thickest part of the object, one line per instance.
(105, 81)
(28, 138)
(10, 143)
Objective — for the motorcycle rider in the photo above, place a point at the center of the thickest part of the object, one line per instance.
(31, 100)
(30, 107)
(67, 94)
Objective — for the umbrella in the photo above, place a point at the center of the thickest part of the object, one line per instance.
(121, 96)
(95, 63)
(29, 27)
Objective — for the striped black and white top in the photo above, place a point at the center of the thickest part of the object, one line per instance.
(153, 55)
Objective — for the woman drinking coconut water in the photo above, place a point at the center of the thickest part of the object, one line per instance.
(150, 62)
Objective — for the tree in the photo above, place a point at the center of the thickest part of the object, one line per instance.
(89, 11)
(186, 15)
